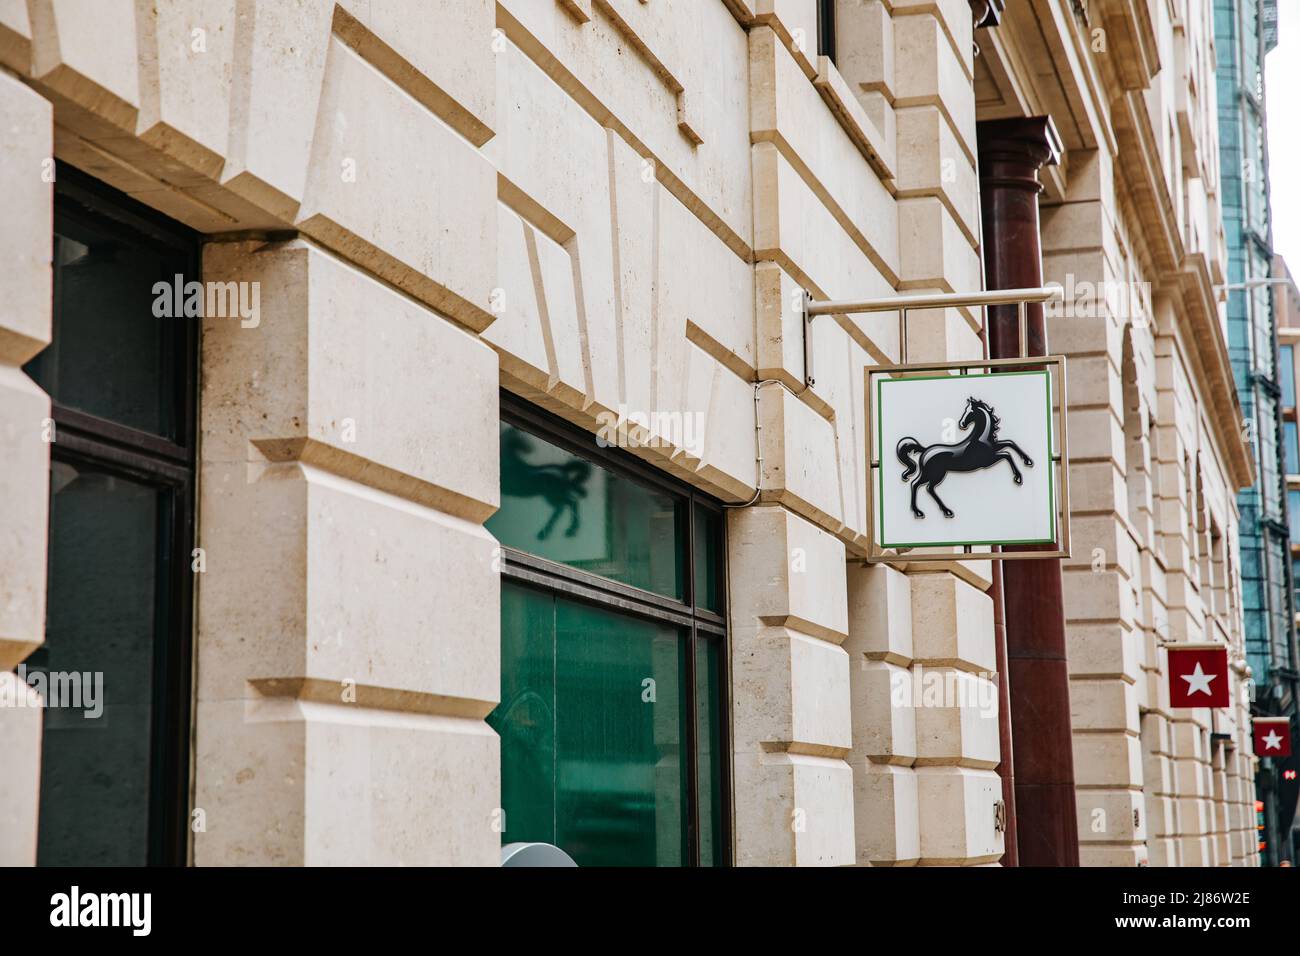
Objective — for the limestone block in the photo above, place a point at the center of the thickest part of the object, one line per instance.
(1097, 486)
(440, 52)
(634, 98)
(187, 53)
(1097, 596)
(932, 162)
(961, 727)
(1101, 650)
(864, 35)
(795, 22)
(1110, 816)
(952, 624)
(1109, 760)
(280, 52)
(701, 287)
(956, 813)
(884, 713)
(786, 110)
(880, 613)
(302, 383)
(793, 810)
(1103, 705)
(536, 332)
(25, 489)
(794, 572)
(371, 143)
(796, 444)
(1164, 851)
(934, 75)
(954, 18)
(358, 573)
(15, 36)
(780, 325)
(1114, 856)
(932, 250)
(886, 814)
(1196, 851)
(868, 133)
(1162, 815)
(1157, 773)
(794, 227)
(290, 782)
(1190, 779)
(1189, 740)
(1099, 541)
(20, 742)
(790, 691)
(941, 335)
(26, 194)
(1095, 434)
(85, 50)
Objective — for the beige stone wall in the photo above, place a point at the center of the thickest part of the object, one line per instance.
(606, 206)
(610, 206)
(1131, 229)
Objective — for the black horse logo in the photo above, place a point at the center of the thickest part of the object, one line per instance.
(560, 486)
(981, 449)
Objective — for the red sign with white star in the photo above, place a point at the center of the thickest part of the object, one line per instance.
(1272, 736)
(1198, 675)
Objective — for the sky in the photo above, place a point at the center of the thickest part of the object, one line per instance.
(1282, 86)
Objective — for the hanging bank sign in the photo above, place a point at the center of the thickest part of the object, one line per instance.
(966, 456)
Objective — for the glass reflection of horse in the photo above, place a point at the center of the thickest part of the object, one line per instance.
(981, 449)
(560, 486)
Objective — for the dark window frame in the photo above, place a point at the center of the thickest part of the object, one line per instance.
(169, 464)
(826, 29)
(578, 585)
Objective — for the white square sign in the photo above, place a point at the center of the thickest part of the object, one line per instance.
(964, 460)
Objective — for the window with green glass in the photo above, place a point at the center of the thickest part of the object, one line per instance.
(613, 656)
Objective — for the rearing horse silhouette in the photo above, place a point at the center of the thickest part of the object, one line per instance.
(981, 449)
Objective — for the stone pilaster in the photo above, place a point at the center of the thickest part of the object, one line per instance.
(794, 801)
(348, 624)
(26, 196)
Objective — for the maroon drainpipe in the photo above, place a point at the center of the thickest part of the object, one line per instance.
(1011, 152)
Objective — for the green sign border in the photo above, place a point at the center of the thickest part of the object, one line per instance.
(880, 457)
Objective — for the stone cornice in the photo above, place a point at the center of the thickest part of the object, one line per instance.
(1200, 314)
(1131, 39)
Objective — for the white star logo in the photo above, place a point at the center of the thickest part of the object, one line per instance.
(1198, 682)
(1272, 740)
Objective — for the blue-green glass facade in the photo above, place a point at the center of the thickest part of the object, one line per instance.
(1244, 32)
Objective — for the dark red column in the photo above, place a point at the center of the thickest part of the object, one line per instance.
(1011, 152)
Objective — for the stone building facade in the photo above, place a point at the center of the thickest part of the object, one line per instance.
(607, 210)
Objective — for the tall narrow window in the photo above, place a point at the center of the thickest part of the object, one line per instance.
(826, 28)
(116, 657)
(613, 653)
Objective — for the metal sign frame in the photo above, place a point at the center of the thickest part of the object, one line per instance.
(876, 553)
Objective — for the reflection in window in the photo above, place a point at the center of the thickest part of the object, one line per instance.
(612, 718)
(562, 506)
